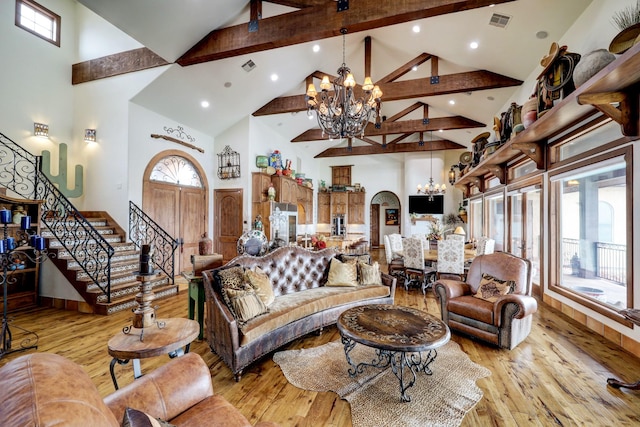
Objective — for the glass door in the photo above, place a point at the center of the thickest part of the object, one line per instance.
(525, 227)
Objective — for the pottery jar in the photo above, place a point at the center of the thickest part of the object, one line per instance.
(590, 64)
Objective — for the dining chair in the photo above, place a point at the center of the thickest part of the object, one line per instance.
(414, 264)
(455, 237)
(396, 243)
(485, 246)
(394, 263)
(450, 258)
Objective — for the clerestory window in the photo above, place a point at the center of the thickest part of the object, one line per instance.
(38, 20)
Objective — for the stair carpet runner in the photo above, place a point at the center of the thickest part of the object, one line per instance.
(124, 265)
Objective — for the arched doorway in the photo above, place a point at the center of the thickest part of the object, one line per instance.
(385, 216)
(174, 194)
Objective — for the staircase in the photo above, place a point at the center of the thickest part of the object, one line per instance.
(124, 264)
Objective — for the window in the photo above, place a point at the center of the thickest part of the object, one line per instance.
(495, 220)
(475, 218)
(38, 20)
(592, 239)
(176, 170)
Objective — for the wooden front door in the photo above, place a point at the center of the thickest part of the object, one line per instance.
(227, 204)
(179, 209)
(374, 221)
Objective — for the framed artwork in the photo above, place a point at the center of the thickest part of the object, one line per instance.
(391, 217)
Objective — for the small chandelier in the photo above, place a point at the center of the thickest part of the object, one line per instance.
(430, 189)
(342, 114)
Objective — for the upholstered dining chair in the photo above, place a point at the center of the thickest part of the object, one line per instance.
(394, 263)
(396, 243)
(451, 258)
(494, 303)
(453, 236)
(414, 265)
(485, 246)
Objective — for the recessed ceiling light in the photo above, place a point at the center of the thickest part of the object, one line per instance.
(416, 28)
(490, 98)
(204, 104)
(452, 102)
(316, 48)
(473, 45)
(542, 35)
(440, 130)
(274, 77)
(227, 84)
(414, 68)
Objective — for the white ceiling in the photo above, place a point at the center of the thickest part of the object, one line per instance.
(170, 28)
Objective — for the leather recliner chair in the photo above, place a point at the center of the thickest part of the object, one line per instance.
(45, 389)
(505, 322)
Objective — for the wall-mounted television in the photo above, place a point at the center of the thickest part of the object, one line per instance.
(420, 204)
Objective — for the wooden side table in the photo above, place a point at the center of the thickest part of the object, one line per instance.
(196, 299)
(168, 336)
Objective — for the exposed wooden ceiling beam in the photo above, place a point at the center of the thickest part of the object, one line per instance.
(406, 111)
(298, 4)
(393, 91)
(319, 22)
(405, 126)
(114, 65)
(401, 71)
(405, 147)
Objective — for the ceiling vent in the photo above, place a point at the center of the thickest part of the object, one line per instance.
(499, 20)
(248, 66)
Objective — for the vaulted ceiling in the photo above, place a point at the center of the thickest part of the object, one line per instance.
(208, 42)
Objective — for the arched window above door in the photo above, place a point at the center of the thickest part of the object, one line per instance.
(176, 170)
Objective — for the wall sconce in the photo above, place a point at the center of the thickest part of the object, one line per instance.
(452, 176)
(89, 135)
(40, 129)
(452, 172)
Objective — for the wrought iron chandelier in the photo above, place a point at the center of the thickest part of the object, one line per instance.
(342, 114)
(430, 189)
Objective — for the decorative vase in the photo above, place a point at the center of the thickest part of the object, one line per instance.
(590, 64)
(205, 245)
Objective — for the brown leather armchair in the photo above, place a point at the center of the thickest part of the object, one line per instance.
(45, 389)
(505, 322)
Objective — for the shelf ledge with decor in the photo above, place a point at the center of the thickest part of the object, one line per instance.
(618, 82)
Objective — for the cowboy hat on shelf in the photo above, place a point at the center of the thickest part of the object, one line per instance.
(547, 61)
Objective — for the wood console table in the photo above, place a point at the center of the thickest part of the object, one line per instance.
(167, 336)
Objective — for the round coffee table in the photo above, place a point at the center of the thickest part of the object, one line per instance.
(402, 336)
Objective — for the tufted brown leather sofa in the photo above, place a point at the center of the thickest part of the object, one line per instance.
(46, 390)
(505, 322)
(302, 304)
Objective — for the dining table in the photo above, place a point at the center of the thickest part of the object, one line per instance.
(431, 255)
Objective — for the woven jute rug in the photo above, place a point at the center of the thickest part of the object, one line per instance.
(440, 399)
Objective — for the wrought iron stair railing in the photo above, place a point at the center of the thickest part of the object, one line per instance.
(21, 172)
(145, 231)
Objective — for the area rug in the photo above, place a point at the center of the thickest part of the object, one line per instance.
(440, 399)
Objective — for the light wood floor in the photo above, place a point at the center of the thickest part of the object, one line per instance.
(557, 377)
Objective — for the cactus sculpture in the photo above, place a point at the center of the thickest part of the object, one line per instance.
(61, 178)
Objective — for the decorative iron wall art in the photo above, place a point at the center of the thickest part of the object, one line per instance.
(228, 164)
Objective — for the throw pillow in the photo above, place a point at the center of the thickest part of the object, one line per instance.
(364, 258)
(231, 278)
(369, 274)
(259, 281)
(246, 304)
(491, 288)
(134, 418)
(342, 273)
